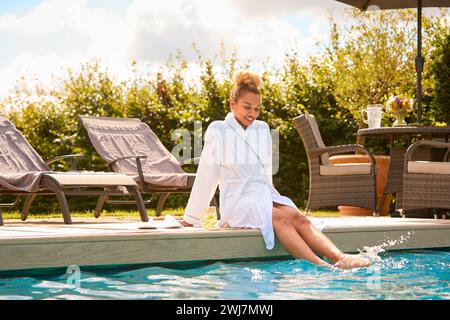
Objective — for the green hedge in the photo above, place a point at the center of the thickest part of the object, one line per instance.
(334, 85)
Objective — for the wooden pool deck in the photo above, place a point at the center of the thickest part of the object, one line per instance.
(89, 242)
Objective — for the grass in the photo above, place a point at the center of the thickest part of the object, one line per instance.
(325, 214)
(129, 215)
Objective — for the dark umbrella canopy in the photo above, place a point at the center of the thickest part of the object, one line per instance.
(395, 4)
(403, 4)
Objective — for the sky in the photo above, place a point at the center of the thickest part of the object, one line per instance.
(42, 38)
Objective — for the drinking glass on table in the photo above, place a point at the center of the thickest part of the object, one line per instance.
(208, 219)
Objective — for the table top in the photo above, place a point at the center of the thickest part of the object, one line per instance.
(405, 130)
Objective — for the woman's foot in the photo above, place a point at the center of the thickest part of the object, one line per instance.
(323, 263)
(185, 224)
(349, 261)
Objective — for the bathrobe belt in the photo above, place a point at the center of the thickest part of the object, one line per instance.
(244, 182)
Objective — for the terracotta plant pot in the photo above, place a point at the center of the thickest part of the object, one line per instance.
(382, 164)
(354, 211)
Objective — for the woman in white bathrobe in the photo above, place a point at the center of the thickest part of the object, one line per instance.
(237, 157)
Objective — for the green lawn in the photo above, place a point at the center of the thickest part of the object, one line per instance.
(122, 214)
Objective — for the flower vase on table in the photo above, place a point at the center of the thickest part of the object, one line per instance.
(399, 106)
(400, 118)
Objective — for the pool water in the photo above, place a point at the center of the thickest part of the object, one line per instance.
(418, 274)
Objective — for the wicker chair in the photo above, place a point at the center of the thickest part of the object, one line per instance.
(426, 184)
(330, 185)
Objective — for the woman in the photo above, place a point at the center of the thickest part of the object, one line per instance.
(237, 156)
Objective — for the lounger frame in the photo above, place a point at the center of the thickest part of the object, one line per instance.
(51, 186)
(159, 192)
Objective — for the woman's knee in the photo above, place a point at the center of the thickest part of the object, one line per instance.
(280, 218)
(302, 221)
(292, 213)
(296, 217)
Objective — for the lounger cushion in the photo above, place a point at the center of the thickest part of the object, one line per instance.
(190, 178)
(20, 165)
(22, 181)
(429, 167)
(91, 179)
(345, 169)
(115, 138)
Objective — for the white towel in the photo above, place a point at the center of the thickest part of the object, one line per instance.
(169, 223)
(318, 223)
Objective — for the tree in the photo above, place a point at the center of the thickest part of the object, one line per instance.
(440, 71)
(375, 58)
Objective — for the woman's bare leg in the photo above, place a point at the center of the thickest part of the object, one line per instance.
(313, 237)
(318, 242)
(291, 240)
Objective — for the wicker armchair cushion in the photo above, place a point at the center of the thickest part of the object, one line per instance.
(324, 158)
(429, 167)
(345, 169)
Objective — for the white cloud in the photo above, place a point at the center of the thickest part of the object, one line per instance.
(49, 16)
(162, 29)
(65, 33)
(279, 8)
(37, 67)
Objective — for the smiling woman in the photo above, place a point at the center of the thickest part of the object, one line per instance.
(245, 101)
(237, 157)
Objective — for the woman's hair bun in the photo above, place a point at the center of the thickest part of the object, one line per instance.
(247, 77)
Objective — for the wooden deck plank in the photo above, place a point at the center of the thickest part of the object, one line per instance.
(40, 245)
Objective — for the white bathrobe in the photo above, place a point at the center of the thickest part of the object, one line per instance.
(239, 161)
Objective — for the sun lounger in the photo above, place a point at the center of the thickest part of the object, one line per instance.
(130, 147)
(23, 173)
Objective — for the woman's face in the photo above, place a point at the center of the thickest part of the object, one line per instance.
(246, 109)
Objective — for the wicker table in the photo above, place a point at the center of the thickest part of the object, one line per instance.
(395, 176)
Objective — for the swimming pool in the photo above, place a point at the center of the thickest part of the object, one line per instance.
(417, 274)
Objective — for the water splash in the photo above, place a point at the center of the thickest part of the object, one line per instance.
(409, 274)
(373, 253)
